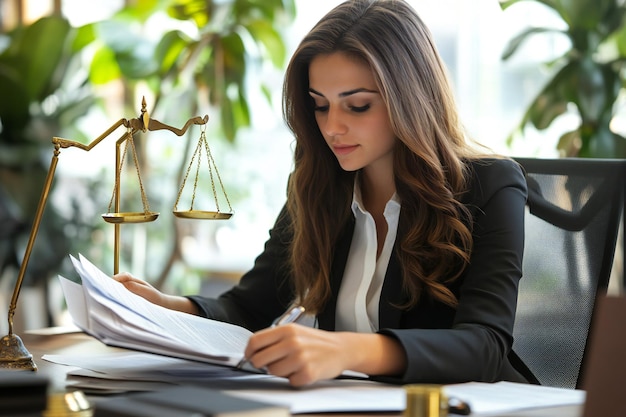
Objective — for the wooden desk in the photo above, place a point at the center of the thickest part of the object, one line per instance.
(80, 343)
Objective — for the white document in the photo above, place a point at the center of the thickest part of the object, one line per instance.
(331, 396)
(501, 397)
(105, 309)
(142, 366)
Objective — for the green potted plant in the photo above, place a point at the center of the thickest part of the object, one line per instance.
(42, 93)
(589, 76)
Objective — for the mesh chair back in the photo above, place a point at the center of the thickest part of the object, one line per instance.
(572, 223)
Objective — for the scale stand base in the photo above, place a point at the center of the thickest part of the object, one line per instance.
(14, 355)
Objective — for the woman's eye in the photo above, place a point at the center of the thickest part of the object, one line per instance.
(360, 109)
(320, 108)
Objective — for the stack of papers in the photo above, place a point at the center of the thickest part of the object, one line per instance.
(139, 371)
(105, 309)
(188, 348)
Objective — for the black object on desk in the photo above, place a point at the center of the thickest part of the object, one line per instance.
(187, 401)
(22, 393)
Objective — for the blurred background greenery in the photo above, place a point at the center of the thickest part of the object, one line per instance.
(532, 77)
(588, 78)
(185, 56)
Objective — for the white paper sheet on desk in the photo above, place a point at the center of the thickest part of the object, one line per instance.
(325, 396)
(137, 371)
(142, 366)
(103, 308)
(124, 371)
(492, 399)
(332, 396)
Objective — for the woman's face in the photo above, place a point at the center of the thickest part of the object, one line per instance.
(350, 112)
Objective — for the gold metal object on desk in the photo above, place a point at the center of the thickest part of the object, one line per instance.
(13, 353)
(68, 404)
(425, 400)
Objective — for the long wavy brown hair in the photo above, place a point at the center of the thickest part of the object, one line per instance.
(430, 157)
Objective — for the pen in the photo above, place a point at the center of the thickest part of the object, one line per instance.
(290, 316)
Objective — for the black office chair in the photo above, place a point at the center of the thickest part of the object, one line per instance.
(572, 225)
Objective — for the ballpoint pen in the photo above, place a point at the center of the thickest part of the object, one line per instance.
(290, 316)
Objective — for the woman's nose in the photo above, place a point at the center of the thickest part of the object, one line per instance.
(335, 123)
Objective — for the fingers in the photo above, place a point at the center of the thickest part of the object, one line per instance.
(126, 277)
(301, 354)
(130, 281)
(145, 290)
(271, 345)
(139, 287)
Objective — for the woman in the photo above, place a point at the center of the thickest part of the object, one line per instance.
(400, 237)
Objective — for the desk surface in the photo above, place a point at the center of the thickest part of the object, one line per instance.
(79, 343)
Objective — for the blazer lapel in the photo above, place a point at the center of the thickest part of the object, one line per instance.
(326, 318)
(391, 294)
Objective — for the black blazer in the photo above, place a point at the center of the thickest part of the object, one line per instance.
(443, 345)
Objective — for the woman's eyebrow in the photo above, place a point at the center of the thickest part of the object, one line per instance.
(345, 93)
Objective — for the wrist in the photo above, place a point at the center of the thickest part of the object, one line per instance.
(374, 354)
(180, 303)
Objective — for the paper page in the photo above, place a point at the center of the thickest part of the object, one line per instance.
(217, 337)
(75, 300)
(331, 396)
(177, 333)
(98, 386)
(122, 318)
(134, 365)
(137, 367)
(499, 397)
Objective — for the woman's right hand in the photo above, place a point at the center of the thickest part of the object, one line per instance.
(147, 291)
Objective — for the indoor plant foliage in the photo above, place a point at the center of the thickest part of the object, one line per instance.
(589, 76)
(200, 53)
(211, 60)
(42, 94)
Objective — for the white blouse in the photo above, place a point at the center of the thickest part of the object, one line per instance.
(359, 295)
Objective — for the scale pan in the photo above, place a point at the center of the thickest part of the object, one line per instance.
(201, 214)
(130, 217)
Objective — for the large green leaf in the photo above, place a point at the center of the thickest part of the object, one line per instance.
(519, 39)
(170, 50)
(134, 53)
(590, 89)
(14, 105)
(552, 100)
(262, 31)
(234, 58)
(32, 69)
(201, 12)
(85, 35)
(104, 67)
(40, 48)
(603, 143)
(569, 143)
(586, 15)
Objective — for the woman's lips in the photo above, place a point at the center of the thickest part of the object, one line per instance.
(344, 149)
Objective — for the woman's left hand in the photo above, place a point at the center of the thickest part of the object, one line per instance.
(305, 355)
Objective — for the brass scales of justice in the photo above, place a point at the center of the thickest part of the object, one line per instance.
(13, 353)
